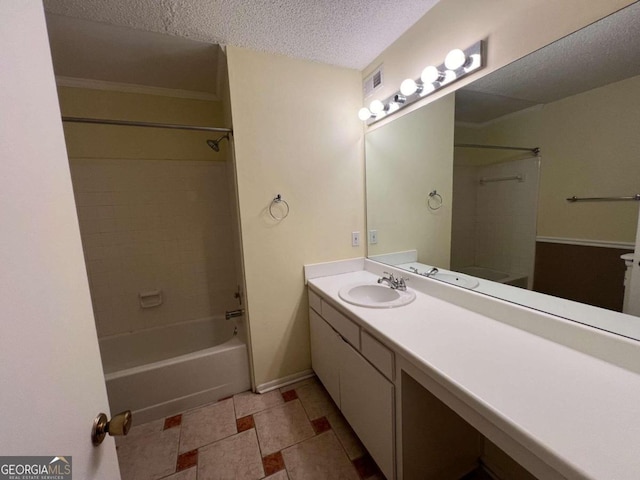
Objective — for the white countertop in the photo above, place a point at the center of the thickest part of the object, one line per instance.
(578, 413)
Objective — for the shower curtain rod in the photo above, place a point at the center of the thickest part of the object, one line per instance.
(534, 150)
(129, 123)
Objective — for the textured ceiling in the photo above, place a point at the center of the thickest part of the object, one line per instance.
(602, 53)
(349, 33)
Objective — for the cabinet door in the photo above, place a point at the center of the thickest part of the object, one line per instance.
(367, 403)
(325, 354)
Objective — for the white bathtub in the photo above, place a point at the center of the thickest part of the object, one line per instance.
(160, 372)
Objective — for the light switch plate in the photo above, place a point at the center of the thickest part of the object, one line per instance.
(373, 237)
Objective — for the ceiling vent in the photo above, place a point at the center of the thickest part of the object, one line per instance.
(373, 82)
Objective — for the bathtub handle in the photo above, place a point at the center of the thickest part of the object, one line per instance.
(234, 313)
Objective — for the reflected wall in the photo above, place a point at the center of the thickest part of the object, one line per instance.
(407, 159)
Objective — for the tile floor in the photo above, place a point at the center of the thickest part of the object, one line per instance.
(293, 433)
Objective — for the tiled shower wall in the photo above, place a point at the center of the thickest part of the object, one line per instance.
(494, 225)
(155, 225)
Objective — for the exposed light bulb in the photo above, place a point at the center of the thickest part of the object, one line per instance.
(449, 76)
(364, 114)
(376, 107)
(427, 89)
(430, 74)
(474, 63)
(455, 59)
(408, 87)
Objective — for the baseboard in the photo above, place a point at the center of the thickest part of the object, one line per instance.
(284, 381)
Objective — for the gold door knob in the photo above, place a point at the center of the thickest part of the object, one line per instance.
(119, 425)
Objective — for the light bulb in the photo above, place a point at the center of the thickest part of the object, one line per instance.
(428, 88)
(449, 76)
(376, 107)
(430, 74)
(455, 59)
(364, 114)
(475, 63)
(408, 87)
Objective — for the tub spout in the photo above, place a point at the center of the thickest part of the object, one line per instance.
(234, 313)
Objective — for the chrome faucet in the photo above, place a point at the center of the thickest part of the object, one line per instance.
(393, 282)
(433, 271)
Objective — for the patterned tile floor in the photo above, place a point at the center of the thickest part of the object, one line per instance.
(293, 433)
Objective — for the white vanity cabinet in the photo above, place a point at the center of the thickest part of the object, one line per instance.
(358, 379)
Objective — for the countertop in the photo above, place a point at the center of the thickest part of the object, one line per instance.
(577, 413)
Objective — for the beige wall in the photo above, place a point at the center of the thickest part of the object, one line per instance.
(512, 29)
(107, 141)
(296, 133)
(155, 208)
(590, 147)
(406, 160)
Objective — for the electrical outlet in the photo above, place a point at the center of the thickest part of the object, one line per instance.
(373, 237)
(355, 239)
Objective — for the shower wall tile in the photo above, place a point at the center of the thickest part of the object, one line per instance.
(147, 225)
(494, 225)
(506, 217)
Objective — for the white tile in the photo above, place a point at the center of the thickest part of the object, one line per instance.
(207, 424)
(318, 458)
(149, 456)
(248, 403)
(282, 426)
(236, 457)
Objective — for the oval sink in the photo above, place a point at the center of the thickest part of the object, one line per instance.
(457, 279)
(372, 295)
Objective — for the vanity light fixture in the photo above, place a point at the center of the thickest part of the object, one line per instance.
(457, 64)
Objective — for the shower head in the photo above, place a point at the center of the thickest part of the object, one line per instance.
(215, 144)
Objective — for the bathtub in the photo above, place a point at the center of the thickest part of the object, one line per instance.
(160, 372)
(495, 276)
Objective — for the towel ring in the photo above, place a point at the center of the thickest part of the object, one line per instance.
(434, 202)
(278, 200)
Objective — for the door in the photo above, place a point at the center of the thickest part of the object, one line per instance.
(52, 384)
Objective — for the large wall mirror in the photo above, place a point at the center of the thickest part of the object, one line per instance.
(472, 188)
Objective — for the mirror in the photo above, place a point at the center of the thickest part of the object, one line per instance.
(497, 220)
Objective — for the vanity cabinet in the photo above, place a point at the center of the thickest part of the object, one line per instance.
(357, 371)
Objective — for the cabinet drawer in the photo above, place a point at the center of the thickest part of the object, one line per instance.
(345, 327)
(379, 355)
(315, 302)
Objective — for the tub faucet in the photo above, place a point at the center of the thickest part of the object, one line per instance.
(431, 272)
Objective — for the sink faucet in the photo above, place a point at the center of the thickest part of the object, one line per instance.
(433, 271)
(393, 282)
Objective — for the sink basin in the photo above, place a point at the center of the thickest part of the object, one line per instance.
(372, 295)
(457, 279)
